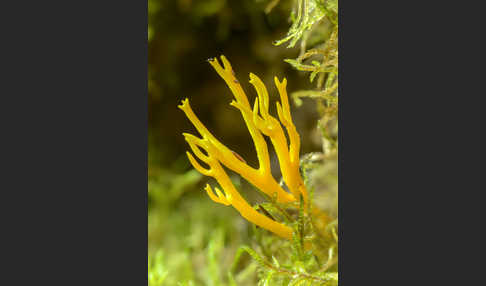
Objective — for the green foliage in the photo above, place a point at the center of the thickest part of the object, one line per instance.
(157, 271)
(316, 26)
(305, 15)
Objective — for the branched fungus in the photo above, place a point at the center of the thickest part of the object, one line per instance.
(259, 123)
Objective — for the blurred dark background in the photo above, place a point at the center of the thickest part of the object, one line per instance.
(183, 34)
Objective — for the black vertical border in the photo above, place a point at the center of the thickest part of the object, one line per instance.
(341, 198)
(377, 151)
(408, 122)
(74, 129)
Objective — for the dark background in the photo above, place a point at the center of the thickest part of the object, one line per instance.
(182, 36)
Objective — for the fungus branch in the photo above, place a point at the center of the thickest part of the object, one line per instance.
(259, 123)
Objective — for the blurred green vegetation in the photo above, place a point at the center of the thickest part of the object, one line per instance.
(192, 240)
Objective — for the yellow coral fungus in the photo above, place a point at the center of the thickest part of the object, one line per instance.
(259, 123)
